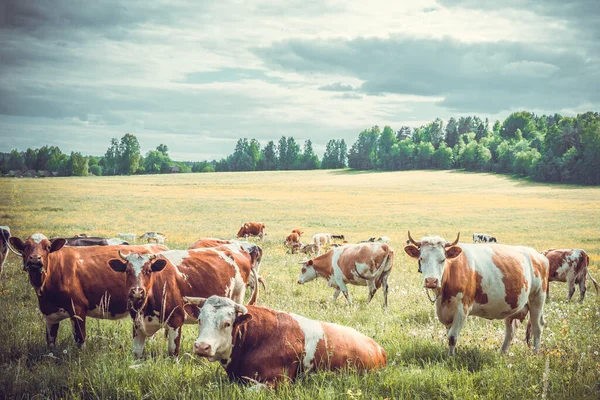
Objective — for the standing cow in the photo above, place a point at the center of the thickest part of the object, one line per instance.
(484, 238)
(292, 242)
(157, 283)
(365, 264)
(571, 266)
(258, 344)
(252, 229)
(489, 281)
(321, 240)
(74, 282)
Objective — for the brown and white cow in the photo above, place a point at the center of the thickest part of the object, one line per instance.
(253, 249)
(571, 266)
(292, 242)
(299, 231)
(492, 281)
(158, 282)
(74, 282)
(258, 344)
(321, 240)
(366, 264)
(252, 229)
(309, 249)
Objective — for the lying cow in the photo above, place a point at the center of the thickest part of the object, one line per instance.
(74, 282)
(489, 281)
(253, 249)
(484, 238)
(154, 237)
(252, 229)
(571, 266)
(292, 242)
(157, 283)
(366, 264)
(129, 237)
(309, 249)
(258, 344)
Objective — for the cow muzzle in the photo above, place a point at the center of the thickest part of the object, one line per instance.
(431, 283)
(137, 293)
(203, 349)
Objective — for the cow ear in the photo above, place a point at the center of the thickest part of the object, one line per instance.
(191, 309)
(453, 252)
(117, 265)
(57, 244)
(412, 251)
(159, 265)
(17, 244)
(242, 319)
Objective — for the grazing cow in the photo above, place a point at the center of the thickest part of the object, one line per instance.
(154, 237)
(77, 241)
(489, 281)
(292, 241)
(484, 238)
(74, 282)
(157, 283)
(258, 344)
(299, 231)
(4, 246)
(129, 237)
(253, 249)
(322, 239)
(367, 264)
(571, 266)
(309, 249)
(252, 229)
(338, 237)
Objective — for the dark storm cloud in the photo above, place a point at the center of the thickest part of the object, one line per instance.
(476, 77)
(337, 87)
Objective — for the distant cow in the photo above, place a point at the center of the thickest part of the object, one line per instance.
(154, 237)
(252, 229)
(483, 238)
(74, 282)
(571, 266)
(258, 344)
(292, 242)
(489, 281)
(4, 246)
(338, 237)
(366, 264)
(129, 237)
(253, 249)
(157, 283)
(298, 231)
(309, 249)
(321, 240)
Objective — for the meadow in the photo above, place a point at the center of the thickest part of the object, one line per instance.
(359, 205)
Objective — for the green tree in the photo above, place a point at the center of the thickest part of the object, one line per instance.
(130, 154)
(451, 133)
(16, 161)
(424, 154)
(385, 145)
(78, 165)
(269, 157)
(443, 157)
(309, 158)
(112, 158)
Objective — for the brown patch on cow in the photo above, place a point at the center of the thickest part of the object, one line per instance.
(458, 277)
(480, 296)
(509, 262)
(540, 269)
(292, 238)
(209, 242)
(323, 264)
(298, 231)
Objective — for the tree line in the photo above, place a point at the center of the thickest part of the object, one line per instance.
(547, 148)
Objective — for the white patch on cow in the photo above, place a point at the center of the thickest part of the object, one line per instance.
(313, 334)
(137, 262)
(38, 237)
(362, 269)
(176, 256)
(338, 275)
(57, 316)
(566, 271)
(139, 342)
(172, 335)
(215, 312)
(151, 325)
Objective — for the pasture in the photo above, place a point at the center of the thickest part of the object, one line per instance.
(358, 205)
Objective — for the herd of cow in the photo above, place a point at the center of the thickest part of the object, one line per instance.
(205, 284)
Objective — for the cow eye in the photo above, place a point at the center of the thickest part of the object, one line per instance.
(226, 324)
(442, 260)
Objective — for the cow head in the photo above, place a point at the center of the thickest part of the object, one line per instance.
(35, 251)
(218, 320)
(432, 253)
(139, 270)
(308, 272)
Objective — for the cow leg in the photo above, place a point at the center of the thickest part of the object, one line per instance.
(372, 290)
(139, 342)
(347, 295)
(174, 337)
(336, 294)
(536, 319)
(458, 321)
(384, 283)
(509, 334)
(51, 333)
(571, 289)
(582, 289)
(78, 322)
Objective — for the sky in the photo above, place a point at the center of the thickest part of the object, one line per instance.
(198, 75)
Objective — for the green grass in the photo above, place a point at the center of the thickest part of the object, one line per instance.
(188, 207)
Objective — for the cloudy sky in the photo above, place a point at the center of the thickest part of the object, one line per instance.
(197, 75)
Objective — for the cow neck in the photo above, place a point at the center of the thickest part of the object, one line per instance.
(448, 267)
(238, 339)
(323, 265)
(42, 276)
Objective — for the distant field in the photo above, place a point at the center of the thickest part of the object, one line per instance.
(358, 205)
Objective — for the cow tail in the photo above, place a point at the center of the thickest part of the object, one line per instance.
(386, 264)
(255, 291)
(594, 282)
(528, 333)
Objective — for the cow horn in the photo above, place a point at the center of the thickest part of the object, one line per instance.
(124, 257)
(240, 308)
(303, 261)
(453, 243)
(199, 301)
(418, 244)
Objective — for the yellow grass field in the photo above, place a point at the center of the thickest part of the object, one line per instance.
(359, 205)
